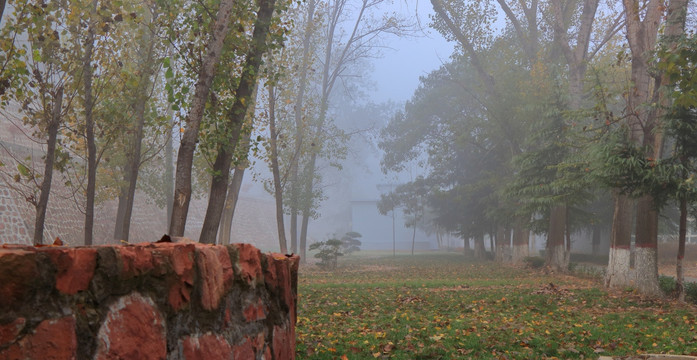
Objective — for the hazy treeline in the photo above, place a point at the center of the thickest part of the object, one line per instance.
(574, 115)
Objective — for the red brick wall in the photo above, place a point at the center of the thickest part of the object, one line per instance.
(147, 301)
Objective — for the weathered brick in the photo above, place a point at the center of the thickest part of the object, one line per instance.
(133, 329)
(177, 260)
(75, 267)
(207, 347)
(53, 339)
(211, 275)
(277, 278)
(255, 311)
(18, 274)
(249, 348)
(283, 343)
(9, 332)
(249, 264)
(137, 260)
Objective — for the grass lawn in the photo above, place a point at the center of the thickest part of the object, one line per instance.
(440, 306)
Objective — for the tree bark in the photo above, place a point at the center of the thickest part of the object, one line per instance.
(641, 36)
(679, 271)
(298, 112)
(277, 186)
(646, 254)
(217, 195)
(89, 126)
(235, 120)
(675, 27)
(479, 250)
(185, 156)
(556, 247)
(618, 273)
(596, 240)
(303, 236)
(521, 242)
(53, 121)
(233, 195)
(2, 9)
(125, 210)
(502, 244)
(233, 191)
(169, 170)
(413, 239)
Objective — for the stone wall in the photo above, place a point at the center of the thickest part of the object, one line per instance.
(147, 301)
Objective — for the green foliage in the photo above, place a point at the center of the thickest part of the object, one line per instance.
(350, 242)
(669, 285)
(328, 252)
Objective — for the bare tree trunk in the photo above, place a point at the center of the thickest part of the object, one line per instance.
(299, 123)
(235, 120)
(501, 242)
(413, 240)
(646, 255)
(641, 37)
(132, 168)
(277, 186)
(618, 273)
(125, 212)
(217, 195)
(52, 129)
(2, 8)
(233, 194)
(185, 157)
(521, 242)
(679, 271)
(468, 248)
(169, 169)
(479, 251)
(89, 126)
(303, 235)
(233, 191)
(556, 248)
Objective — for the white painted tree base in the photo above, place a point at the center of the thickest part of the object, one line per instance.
(646, 268)
(558, 260)
(520, 252)
(618, 273)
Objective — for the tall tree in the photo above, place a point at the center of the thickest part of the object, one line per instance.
(299, 113)
(275, 170)
(36, 74)
(260, 42)
(339, 53)
(146, 63)
(185, 157)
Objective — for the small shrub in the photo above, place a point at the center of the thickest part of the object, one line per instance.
(534, 262)
(329, 252)
(667, 284)
(691, 292)
(350, 242)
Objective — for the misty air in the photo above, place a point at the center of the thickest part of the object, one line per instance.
(348, 179)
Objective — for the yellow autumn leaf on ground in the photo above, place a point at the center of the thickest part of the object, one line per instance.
(437, 337)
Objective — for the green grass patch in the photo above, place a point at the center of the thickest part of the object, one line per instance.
(439, 306)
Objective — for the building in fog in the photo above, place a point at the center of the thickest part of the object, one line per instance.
(379, 231)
